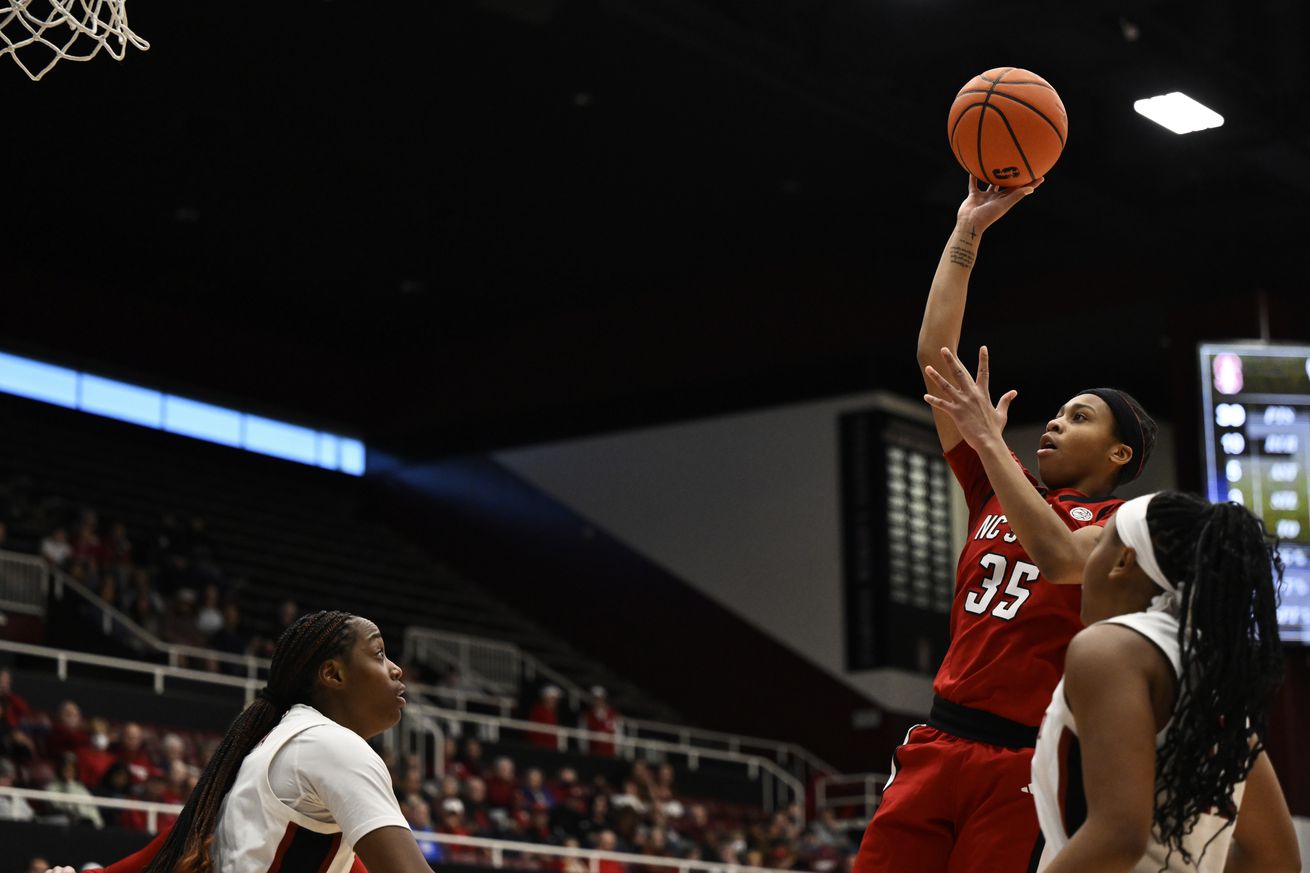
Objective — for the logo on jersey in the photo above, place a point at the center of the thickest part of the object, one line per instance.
(990, 529)
(1080, 513)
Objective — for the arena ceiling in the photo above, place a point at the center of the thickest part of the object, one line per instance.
(467, 224)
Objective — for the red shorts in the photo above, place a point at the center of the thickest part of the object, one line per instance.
(953, 806)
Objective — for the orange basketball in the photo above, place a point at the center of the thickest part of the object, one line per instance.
(1007, 127)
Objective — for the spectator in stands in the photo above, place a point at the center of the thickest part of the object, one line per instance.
(56, 549)
(94, 759)
(173, 752)
(600, 718)
(209, 620)
(154, 790)
(17, 712)
(470, 762)
(141, 587)
(131, 750)
(502, 791)
(117, 560)
(598, 819)
(117, 784)
(66, 782)
(286, 616)
(449, 787)
(180, 622)
(545, 712)
(419, 816)
(534, 792)
(452, 818)
(570, 803)
(572, 864)
(86, 544)
(477, 815)
(12, 808)
(68, 733)
(661, 789)
(538, 829)
(411, 782)
(13, 742)
(230, 637)
(607, 841)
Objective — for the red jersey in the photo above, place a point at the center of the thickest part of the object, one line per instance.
(1009, 626)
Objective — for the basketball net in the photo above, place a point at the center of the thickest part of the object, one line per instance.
(38, 34)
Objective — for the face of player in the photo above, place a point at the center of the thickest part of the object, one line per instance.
(1078, 444)
(1113, 583)
(371, 693)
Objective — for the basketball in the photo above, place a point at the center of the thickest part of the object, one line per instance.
(1007, 127)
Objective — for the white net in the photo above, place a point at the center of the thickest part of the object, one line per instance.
(38, 34)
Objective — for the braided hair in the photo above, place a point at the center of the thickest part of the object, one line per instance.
(307, 643)
(1227, 572)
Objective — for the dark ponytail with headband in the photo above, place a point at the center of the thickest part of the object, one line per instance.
(1228, 573)
(1132, 426)
(307, 643)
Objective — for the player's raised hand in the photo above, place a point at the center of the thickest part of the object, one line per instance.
(984, 205)
(968, 401)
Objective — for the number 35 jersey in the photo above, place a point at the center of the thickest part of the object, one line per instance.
(1009, 626)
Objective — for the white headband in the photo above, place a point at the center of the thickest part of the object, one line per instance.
(1130, 521)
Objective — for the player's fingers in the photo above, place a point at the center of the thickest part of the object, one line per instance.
(1004, 406)
(946, 386)
(955, 365)
(937, 403)
(984, 373)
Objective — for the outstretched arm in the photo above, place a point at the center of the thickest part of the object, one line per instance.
(1058, 552)
(943, 315)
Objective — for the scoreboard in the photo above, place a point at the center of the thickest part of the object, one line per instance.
(897, 537)
(1256, 416)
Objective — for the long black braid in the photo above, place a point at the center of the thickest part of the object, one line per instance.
(307, 643)
(1228, 574)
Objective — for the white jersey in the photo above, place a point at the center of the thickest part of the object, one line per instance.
(1058, 778)
(301, 800)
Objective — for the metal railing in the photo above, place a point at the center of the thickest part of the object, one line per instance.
(24, 583)
(160, 672)
(151, 809)
(778, 787)
(800, 761)
(504, 667)
(494, 852)
(857, 794)
(112, 619)
(491, 671)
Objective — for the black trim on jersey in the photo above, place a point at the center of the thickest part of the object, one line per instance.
(1078, 498)
(1036, 857)
(980, 726)
(310, 852)
(1105, 510)
(1075, 800)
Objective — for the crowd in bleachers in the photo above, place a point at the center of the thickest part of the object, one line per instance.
(69, 754)
(644, 814)
(169, 582)
(172, 584)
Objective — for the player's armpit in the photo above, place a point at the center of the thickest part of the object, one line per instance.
(1107, 683)
(1264, 838)
(391, 849)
